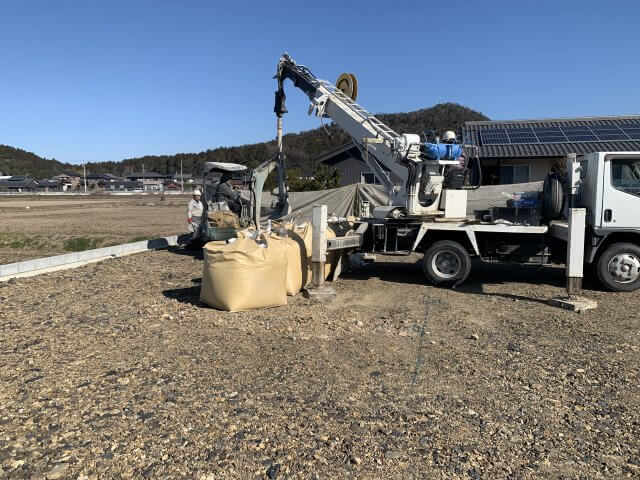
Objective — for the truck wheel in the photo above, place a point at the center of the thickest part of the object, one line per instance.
(552, 197)
(618, 267)
(446, 263)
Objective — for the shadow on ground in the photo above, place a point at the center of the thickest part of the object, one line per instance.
(189, 250)
(482, 274)
(190, 295)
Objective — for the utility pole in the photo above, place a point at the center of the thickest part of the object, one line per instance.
(181, 178)
(84, 169)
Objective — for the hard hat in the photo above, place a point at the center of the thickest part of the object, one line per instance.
(197, 192)
(448, 136)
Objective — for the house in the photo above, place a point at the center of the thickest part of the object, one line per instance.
(47, 185)
(100, 180)
(349, 161)
(177, 178)
(526, 150)
(68, 179)
(151, 181)
(516, 151)
(124, 186)
(18, 184)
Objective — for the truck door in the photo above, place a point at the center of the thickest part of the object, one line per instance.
(621, 192)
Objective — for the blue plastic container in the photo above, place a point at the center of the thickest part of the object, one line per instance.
(445, 151)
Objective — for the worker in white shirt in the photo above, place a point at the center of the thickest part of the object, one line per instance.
(194, 214)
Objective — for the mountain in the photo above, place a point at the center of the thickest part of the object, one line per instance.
(14, 161)
(300, 148)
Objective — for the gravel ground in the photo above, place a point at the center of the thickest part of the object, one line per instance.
(43, 228)
(115, 370)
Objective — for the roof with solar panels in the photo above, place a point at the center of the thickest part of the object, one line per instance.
(551, 137)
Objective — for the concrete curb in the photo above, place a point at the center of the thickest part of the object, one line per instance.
(38, 266)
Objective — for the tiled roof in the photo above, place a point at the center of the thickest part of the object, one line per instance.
(473, 131)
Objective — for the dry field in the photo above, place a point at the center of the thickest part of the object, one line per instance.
(34, 227)
(115, 370)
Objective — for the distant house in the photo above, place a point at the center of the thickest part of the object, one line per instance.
(516, 151)
(187, 178)
(68, 179)
(124, 186)
(18, 184)
(151, 181)
(48, 185)
(102, 177)
(101, 180)
(352, 166)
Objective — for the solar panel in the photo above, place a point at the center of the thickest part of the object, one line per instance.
(579, 133)
(494, 136)
(549, 134)
(609, 132)
(522, 135)
(633, 130)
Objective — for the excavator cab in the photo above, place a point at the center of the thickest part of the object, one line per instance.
(221, 222)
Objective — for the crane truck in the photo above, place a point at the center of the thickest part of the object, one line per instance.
(599, 224)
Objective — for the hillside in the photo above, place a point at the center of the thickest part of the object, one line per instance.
(300, 148)
(14, 161)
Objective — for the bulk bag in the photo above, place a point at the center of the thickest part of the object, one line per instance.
(244, 275)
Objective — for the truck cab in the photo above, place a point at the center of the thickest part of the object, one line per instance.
(610, 193)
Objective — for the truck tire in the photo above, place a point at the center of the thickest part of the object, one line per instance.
(618, 267)
(446, 263)
(552, 197)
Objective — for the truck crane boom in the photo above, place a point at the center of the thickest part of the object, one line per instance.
(381, 147)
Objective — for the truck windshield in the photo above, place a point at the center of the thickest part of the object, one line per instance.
(625, 175)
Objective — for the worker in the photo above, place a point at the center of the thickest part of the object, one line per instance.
(225, 193)
(448, 137)
(194, 213)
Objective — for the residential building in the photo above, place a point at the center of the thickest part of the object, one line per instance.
(124, 186)
(187, 178)
(517, 151)
(526, 150)
(18, 184)
(48, 185)
(151, 181)
(68, 179)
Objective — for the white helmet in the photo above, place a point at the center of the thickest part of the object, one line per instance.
(448, 136)
(197, 192)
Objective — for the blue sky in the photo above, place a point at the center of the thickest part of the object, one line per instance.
(107, 80)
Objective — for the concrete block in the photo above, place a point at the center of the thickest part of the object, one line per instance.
(70, 258)
(320, 294)
(138, 246)
(43, 263)
(104, 252)
(575, 304)
(118, 249)
(85, 255)
(9, 269)
(27, 266)
(57, 260)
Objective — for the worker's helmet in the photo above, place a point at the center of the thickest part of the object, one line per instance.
(448, 136)
(197, 192)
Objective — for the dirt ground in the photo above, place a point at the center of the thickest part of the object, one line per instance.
(115, 370)
(34, 227)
